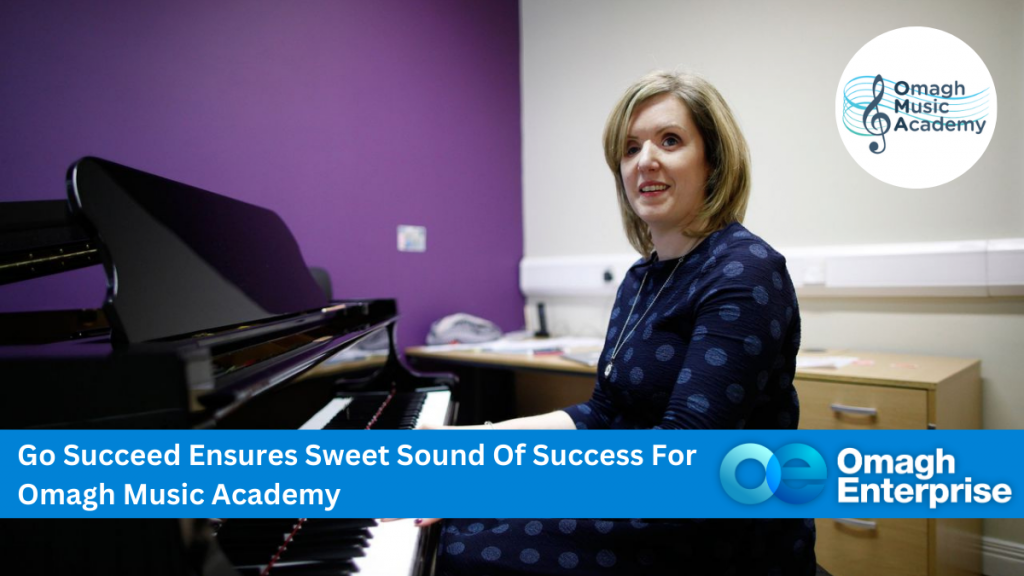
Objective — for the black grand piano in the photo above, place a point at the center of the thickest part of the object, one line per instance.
(212, 320)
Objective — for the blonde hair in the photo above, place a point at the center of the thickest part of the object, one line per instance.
(725, 151)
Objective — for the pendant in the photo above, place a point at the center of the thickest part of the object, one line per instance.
(608, 370)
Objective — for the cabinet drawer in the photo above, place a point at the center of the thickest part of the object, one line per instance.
(839, 406)
(893, 546)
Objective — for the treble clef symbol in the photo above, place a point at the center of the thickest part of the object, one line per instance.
(879, 117)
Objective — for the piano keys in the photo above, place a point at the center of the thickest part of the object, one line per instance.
(321, 546)
(404, 413)
(327, 546)
(196, 333)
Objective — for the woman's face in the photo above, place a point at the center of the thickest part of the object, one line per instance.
(663, 167)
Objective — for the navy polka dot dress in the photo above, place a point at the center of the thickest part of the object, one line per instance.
(716, 350)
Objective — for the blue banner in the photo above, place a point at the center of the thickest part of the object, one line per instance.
(418, 474)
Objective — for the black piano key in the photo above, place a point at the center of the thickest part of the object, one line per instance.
(358, 537)
(245, 535)
(320, 546)
(320, 569)
(258, 550)
(341, 549)
(248, 527)
(323, 553)
(400, 413)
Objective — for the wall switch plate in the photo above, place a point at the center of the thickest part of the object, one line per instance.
(412, 238)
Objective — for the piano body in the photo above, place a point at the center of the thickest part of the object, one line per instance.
(212, 320)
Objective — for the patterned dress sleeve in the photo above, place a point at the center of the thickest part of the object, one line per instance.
(742, 335)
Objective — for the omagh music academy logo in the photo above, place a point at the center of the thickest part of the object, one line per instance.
(916, 107)
(870, 104)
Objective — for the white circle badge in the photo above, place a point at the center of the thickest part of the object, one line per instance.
(916, 107)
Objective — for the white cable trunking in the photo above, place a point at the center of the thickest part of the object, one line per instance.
(973, 268)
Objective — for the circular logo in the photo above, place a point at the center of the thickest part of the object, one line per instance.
(804, 482)
(916, 107)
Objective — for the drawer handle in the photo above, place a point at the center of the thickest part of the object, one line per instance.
(858, 410)
(855, 523)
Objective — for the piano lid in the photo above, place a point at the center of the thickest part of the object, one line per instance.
(180, 260)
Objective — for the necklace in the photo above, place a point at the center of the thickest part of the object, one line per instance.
(621, 341)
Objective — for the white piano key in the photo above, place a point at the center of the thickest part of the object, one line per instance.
(392, 550)
(326, 414)
(435, 408)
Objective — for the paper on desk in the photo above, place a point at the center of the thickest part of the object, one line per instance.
(824, 361)
(504, 346)
(354, 355)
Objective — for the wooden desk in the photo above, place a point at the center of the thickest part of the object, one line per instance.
(543, 362)
(501, 386)
(884, 391)
(908, 392)
(903, 392)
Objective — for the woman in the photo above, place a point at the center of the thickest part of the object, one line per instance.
(703, 334)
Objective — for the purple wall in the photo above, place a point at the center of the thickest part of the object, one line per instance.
(347, 118)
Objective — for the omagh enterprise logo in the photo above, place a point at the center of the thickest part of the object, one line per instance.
(926, 118)
(795, 473)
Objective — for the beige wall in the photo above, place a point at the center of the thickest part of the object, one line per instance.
(778, 64)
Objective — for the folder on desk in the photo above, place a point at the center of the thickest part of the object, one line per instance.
(586, 358)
